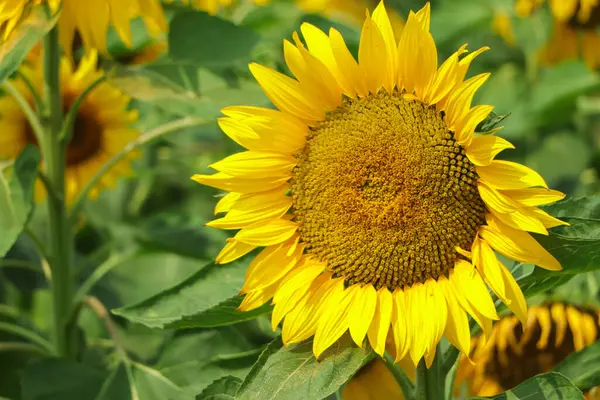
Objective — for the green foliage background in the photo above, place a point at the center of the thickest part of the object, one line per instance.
(150, 258)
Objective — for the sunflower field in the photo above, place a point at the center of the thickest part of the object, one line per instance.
(299, 199)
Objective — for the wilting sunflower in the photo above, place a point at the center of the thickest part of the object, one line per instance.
(102, 127)
(574, 32)
(511, 356)
(89, 19)
(377, 205)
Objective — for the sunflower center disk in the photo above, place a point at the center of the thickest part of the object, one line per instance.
(383, 194)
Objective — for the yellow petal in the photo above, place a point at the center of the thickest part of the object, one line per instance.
(232, 251)
(563, 10)
(488, 265)
(271, 265)
(256, 164)
(548, 220)
(267, 233)
(457, 327)
(517, 304)
(251, 208)
(292, 289)
(357, 84)
(483, 149)
(424, 16)
(301, 322)
(361, 313)
(437, 316)
(415, 299)
(287, 94)
(507, 175)
(400, 325)
(518, 245)
(380, 326)
(459, 101)
(230, 183)
(381, 19)
(334, 320)
(444, 80)
(559, 317)
(372, 56)
(226, 202)
(257, 298)
(531, 197)
(470, 284)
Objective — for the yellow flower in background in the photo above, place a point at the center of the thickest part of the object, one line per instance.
(377, 206)
(211, 6)
(102, 127)
(512, 356)
(574, 33)
(89, 19)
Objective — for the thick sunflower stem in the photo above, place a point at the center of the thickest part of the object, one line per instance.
(54, 156)
(430, 381)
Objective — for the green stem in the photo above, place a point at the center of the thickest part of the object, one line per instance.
(54, 155)
(407, 386)
(430, 381)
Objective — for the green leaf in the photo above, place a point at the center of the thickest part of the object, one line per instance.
(294, 373)
(555, 93)
(221, 389)
(582, 367)
(54, 378)
(550, 386)
(534, 31)
(222, 43)
(195, 359)
(16, 197)
(454, 18)
(27, 34)
(206, 299)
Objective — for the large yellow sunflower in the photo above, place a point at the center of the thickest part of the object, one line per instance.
(511, 356)
(90, 19)
(377, 205)
(102, 127)
(574, 32)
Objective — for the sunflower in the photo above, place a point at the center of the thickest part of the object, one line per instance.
(574, 31)
(101, 129)
(377, 206)
(90, 19)
(511, 356)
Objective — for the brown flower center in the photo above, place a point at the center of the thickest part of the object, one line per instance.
(590, 21)
(383, 194)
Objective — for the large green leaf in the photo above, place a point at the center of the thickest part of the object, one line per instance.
(294, 373)
(27, 34)
(195, 359)
(582, 367)
(209, 40)
(221, 389)
(16, 197)
(550, 386)
(206, 299)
